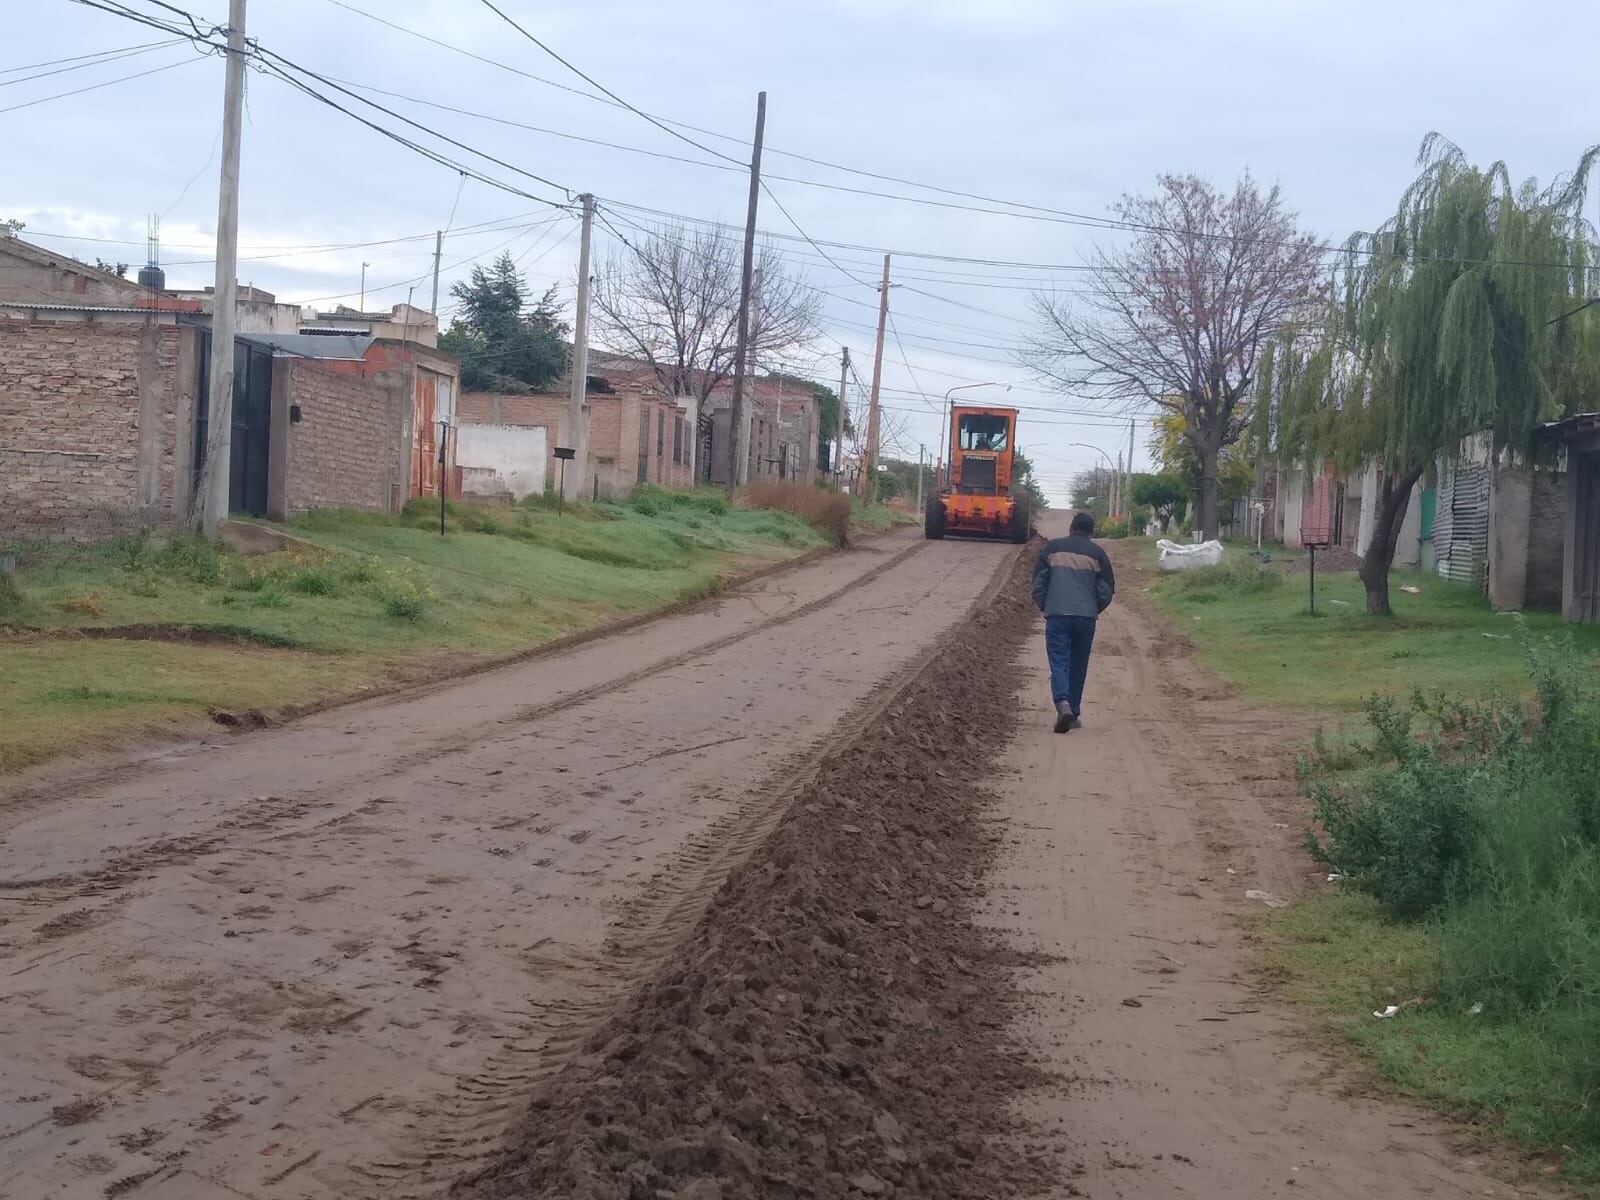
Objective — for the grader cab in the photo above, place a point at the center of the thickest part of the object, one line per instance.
(978, 496)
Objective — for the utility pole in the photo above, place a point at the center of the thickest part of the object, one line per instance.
(870, 458)
(743, 445)
(838, 428)
(219, 404)
(577, 423)
(736, 417)
(438, 253)
(363, 302)
(921, 452)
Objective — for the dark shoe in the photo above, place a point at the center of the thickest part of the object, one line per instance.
(1065, 719)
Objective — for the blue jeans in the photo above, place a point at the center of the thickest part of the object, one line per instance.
(1068, 640)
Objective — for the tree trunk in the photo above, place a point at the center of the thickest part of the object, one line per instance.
(1392, 500)
(1210, 489)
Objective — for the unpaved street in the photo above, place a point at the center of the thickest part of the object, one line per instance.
(463, 936)
(333, 959)
(1132, 845)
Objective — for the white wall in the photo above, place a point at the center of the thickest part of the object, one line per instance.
(502, 458)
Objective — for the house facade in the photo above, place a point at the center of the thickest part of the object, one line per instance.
(103, 397)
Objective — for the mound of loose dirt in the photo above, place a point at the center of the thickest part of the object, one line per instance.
(835, 1025)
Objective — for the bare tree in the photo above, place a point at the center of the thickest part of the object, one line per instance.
(1179, 318)
(670, 298)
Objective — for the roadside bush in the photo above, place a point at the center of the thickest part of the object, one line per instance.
(1484, 819)
(405, 603)
(1113, 530)
(825, 511)
(314, 581)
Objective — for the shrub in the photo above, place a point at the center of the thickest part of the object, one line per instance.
(12, 605)
(1484, 817)
(314, 581)
(405, 605)
(825, 511)
(1113, 529)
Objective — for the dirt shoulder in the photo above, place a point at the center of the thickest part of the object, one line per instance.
(1134, 848)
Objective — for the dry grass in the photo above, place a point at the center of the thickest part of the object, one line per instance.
(825, 511)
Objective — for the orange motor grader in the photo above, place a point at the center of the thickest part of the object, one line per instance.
(977, 496)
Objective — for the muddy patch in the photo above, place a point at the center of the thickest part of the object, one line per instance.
(835, 1025)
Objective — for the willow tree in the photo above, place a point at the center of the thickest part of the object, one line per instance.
(1178, 317)
(1451, 320)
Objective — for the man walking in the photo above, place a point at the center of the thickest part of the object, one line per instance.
(1072, 586)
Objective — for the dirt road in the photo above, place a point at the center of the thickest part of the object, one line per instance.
(1133, 843)
(332, 960)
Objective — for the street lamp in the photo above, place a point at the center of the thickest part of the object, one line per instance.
(1110, 466)
(944, 412)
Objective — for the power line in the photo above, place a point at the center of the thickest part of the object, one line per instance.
(78, 64)
(94, 87)
(592, 82)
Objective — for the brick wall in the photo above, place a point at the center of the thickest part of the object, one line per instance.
(346, 451)
(89, 425)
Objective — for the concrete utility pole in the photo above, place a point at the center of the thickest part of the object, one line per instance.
(743, 447)
(870, 458)
(838, 428)
(438, 253)
(736, 417)
(577, 422)
(216, 480)
(363, 301)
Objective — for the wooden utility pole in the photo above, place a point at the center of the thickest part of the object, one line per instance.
(870, 457)
(838, 427)
(736, 413)
(438, 253)
(217, 479)
(577, 422)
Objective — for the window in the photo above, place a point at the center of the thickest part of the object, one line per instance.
(677, 439)
(661, 432)
(985, 433)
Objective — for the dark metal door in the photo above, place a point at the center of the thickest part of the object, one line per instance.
(250, 446)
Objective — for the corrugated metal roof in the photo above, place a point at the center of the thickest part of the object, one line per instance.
(1578, 423)
(84, 308)
(339, 347)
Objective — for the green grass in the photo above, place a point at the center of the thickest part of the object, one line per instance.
(1465, 824)
(1262, 639)
(1341, 959)
(359, 600)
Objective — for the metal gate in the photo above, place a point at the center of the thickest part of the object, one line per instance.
(251, 445)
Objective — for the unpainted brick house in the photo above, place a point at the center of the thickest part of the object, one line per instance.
(102, 409)
(636, 435)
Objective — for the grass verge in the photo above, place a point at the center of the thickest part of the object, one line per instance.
(1253, 628)
(1465, 825)
(145, 634)
(1339, 958)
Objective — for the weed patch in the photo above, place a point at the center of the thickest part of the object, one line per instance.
(1475, 824)
(825, 511)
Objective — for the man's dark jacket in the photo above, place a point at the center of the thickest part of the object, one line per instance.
(1073, 578)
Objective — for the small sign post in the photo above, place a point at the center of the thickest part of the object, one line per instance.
(444, 441)
(565, 454)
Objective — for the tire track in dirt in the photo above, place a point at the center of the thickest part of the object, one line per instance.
(646, 929)
(313, 978)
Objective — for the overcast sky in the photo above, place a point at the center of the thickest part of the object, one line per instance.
(1063, 104)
